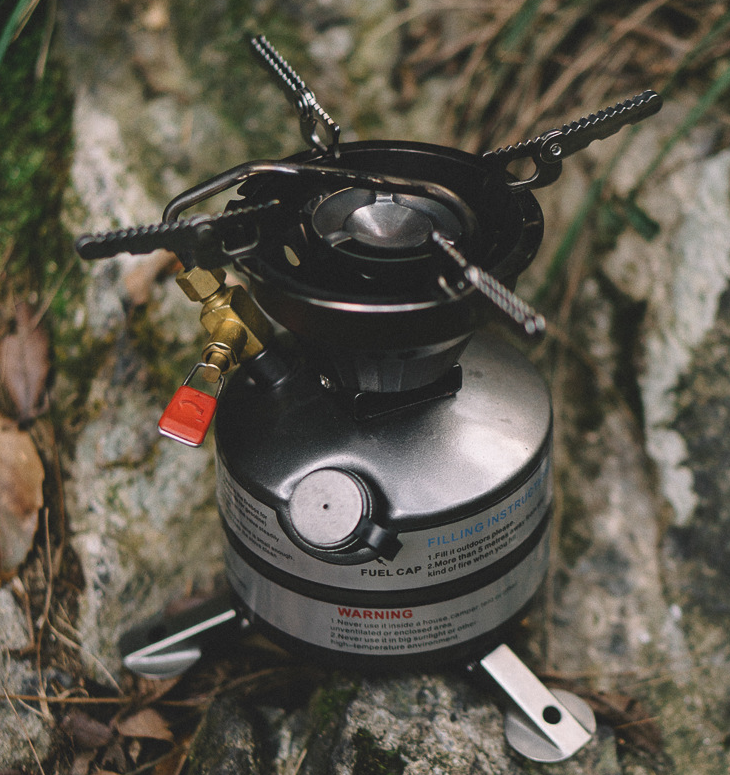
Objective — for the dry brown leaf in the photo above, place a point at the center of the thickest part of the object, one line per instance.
(24, 363)
(139, 281)
(134, 749)
(175, 762)
(150, 690)
(113, 757)
(86, 732)
(630, 720)
(21, 494)
(82, 762)
(145, 723)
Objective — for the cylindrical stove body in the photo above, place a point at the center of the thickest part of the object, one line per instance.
(384, 505)
(462, 483)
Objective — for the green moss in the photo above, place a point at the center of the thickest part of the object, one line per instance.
(76, 363)
(213, 39)
(575, 537)
(35, 152)
(36, 252)
(167, 365)
(330, 702)
(371, 759)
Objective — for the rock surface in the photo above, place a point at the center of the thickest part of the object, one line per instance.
(17, 722)
(635, 604)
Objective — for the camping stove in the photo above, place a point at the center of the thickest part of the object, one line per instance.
(383, 463)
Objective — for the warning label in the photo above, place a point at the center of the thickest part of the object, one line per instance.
(414, 629)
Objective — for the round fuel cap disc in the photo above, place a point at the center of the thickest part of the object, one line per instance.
(326, 507)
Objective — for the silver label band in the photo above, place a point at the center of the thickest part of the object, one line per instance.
(430, 556)
(388, 631)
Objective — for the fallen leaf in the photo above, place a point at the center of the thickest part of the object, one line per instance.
(24, 363)
(152, 689)
(145, 723)
(175, 762)
(630, 720)
(134, 750)
(82, 762)
(113, 757)
(86, 732)
(21, 494)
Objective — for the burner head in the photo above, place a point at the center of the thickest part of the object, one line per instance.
(382, 226)
(360, 281)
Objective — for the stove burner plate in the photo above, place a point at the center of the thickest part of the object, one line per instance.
(376, 224)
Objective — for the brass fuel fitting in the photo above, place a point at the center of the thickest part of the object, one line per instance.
(238, 330)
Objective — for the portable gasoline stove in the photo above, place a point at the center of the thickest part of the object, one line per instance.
(385, 490)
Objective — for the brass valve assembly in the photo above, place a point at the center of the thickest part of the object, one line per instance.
(237, 328)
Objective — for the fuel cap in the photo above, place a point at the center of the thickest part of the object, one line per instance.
(326, 508)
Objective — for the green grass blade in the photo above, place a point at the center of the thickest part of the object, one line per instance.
(14, 26)
(715, 91)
